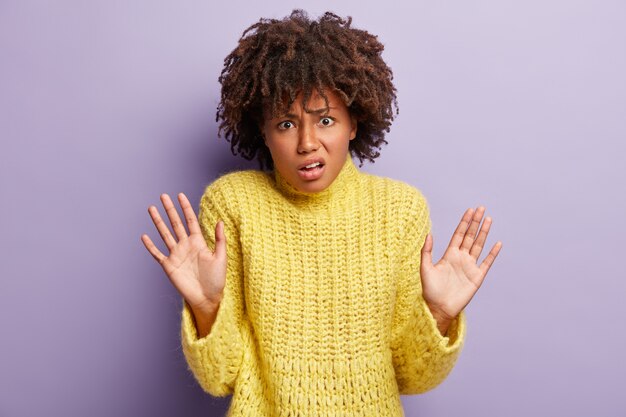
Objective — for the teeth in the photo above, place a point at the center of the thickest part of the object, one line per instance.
(312, 165)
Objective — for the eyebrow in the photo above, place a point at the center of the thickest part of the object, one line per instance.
(318, 111)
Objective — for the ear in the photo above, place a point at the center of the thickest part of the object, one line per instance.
(354, 126)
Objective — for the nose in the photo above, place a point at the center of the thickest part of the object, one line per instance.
(307, 141)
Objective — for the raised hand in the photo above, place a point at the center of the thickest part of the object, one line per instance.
(449, 285)
(198, 274)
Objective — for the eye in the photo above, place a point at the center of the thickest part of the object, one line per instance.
(285, 125)
(327, 121)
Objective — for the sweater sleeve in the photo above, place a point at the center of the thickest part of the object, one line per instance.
(215, 359)
(422, 356)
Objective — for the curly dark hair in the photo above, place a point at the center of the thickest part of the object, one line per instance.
(281, 58)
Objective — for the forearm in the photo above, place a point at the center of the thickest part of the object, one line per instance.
(443, 325)
(204, 319)
(443, 322)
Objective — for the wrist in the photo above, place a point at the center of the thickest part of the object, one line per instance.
(205, 309)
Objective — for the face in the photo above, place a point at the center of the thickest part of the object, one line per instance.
(298, 138)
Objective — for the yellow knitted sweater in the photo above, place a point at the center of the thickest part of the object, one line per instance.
(322, 313)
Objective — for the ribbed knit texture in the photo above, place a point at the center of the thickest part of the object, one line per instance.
(322, 313)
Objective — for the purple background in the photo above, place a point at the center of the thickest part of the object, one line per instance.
(520, 106)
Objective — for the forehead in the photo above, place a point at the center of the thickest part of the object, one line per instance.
(315, 103)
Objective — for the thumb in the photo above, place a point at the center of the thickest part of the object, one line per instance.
(220, 239)
(427, 251)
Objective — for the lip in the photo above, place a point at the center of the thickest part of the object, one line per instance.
(312, 175)
(312, 160)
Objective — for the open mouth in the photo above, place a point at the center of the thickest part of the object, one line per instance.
(312, 167)
(312, 172)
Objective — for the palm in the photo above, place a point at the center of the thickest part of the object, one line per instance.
(450, 284)
(190, 266)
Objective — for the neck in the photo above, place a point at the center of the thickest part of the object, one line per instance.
(345, 181)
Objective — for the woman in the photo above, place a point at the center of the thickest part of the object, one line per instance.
(308, 285)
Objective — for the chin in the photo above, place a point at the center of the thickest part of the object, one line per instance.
(314, 187)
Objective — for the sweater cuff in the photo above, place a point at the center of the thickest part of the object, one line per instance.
(216, 358)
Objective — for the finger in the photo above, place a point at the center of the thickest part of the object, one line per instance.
(427, 251)
(190, 215)
(470, 234)
(490, 258)
(459, 233)
(167, 237)
(154, 251)
(220, 239)
(478, 246)
(172, 213)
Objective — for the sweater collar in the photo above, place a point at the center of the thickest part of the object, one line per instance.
(343, 183)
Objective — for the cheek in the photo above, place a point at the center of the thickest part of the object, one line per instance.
(280, 151)
(337, 139)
